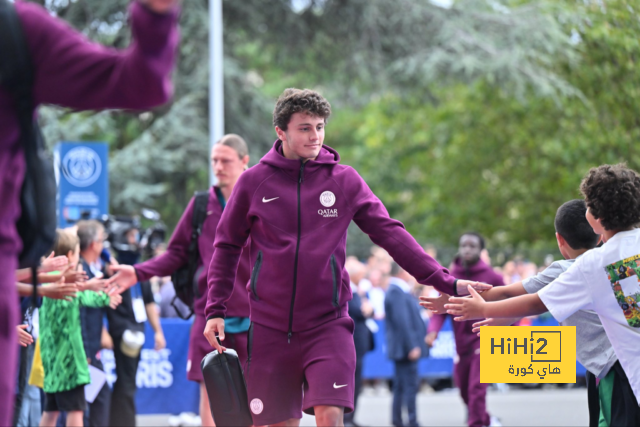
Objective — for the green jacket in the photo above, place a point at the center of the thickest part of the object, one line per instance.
(63, 358)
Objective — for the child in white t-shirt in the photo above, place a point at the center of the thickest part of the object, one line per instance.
(605, 280)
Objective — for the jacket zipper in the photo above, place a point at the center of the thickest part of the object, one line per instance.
(334, 269)
(295, 265)
(254, 275)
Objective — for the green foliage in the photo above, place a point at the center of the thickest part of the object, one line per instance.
(485, 160)
(484, 116)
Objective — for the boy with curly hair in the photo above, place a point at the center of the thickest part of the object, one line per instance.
(605, 280)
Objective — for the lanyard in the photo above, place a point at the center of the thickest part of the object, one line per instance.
(136, 291)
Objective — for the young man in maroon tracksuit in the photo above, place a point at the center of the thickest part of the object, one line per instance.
(468, 265)
(229, 158)
(296, 205)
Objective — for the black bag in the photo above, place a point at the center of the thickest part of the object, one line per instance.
(37, 223)
(185, 279)
(226, 389)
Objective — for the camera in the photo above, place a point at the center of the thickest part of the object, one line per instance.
(126, 234)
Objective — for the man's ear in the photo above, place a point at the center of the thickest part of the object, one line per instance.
(281, 134)
(561, 242)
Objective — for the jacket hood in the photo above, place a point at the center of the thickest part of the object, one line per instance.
(275, 157)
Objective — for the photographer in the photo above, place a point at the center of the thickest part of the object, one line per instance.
(72, 72)
(126, 327)
(92, 235)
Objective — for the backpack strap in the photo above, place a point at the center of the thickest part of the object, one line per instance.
(199, 214)
(17, 77)
(17, 74)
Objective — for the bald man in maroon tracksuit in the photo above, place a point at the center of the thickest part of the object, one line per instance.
(468, 265)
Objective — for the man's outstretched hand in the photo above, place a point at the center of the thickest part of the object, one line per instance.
(124, 278)
(215, 326)
(463, 286)
(466, 308)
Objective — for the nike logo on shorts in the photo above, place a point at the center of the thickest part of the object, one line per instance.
(265, 200)
(339, 386)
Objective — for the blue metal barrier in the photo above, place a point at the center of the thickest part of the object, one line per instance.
(162, 379)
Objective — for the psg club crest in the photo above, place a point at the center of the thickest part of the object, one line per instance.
(327, 199)
(81, 166)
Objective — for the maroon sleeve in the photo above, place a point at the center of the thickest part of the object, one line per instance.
(436, 322)
(74, 72)
(372, 218)
(231, 236)
(176, 254)
(498, 280)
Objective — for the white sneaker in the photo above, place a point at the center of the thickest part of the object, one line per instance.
(495, 422)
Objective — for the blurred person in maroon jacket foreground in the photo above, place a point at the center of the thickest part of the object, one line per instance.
(72, 72)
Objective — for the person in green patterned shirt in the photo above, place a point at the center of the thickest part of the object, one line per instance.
(66, 370)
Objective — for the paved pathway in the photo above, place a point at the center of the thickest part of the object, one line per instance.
(552, 407)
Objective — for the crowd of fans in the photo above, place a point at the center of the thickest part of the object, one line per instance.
(377, 268)
(70, 320)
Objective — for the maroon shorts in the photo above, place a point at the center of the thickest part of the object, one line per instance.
(199, 347)
(316, 368)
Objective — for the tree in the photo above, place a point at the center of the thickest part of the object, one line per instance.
(473, 100)
(485, 159)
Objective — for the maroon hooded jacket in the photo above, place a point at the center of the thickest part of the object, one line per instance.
(176, 256)
(297, 214)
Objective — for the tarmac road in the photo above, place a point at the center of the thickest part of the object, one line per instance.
(549, 407)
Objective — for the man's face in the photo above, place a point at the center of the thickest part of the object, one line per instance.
(227, 165)
(303, 138)
(470, 248)
(98, 244)
(133, 237)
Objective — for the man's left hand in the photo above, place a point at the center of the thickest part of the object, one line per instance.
(414, 354)
(463, 286)
(160, 341)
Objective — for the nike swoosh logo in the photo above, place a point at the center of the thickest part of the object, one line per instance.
(338, 386)
(264, 200)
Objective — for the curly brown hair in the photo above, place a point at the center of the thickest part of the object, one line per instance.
(612, 194)
(299, 100)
